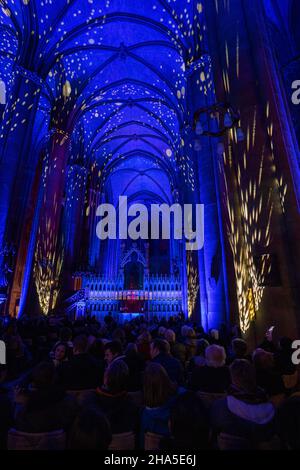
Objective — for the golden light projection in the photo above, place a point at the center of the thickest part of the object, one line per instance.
(48, 262)
(251, 188)
(193, 283)
(47, 270)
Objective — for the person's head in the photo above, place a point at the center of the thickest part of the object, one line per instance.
(159, 346)
(201, 347)
(190, 332)
(184, 330)
(131, 350)
(262, 360)
(116, 377)
(43, 375)
(90, 431)
(215, 356)
(214, 334)
(243, 375)
(65, 335)
(239, 347)
(144, 337)
(189, 423)
(161, 331)
(112, 349)
(157, 386)
(97, 349)
(119, 335)
(60, 352)
(170, 336)
(80, 344)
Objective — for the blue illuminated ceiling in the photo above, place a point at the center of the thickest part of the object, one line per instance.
(114, 73)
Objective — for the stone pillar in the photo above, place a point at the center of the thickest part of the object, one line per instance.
(48, 261)
(73, 215)
(211, 259)
(17, 161)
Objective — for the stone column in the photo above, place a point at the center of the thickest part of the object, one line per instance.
(17, 161)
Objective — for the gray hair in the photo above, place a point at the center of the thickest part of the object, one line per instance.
(215, 356)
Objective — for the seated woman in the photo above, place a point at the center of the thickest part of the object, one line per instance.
(59, 353)
(214, 376)
(189, 424)
(246, 411)
(159, 395)
(43, 406)
(199, 359)
(112, 399)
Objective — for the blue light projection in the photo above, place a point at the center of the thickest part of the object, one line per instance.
(99, 94)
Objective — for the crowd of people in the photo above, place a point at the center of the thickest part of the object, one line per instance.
(190, 389)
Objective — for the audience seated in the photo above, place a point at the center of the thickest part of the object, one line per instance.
(103, 385)
(245, 412)
(159, 395)
(90, 431)
(214, 377)
(160, 354)
(81, 372)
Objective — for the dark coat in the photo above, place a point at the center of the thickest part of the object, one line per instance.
(121, 412)
(255, 422)
(210, 379)
(173, 367)
(80, 373)
(46, 410)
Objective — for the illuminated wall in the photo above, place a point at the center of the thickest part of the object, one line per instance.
(98, 100)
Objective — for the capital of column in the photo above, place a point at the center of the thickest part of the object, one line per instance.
(203, 63)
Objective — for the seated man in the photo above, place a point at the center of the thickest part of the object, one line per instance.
(239, 350)
(112, 399)
(42, 405)
(82, 371)
(113, 351)
(214, 377)
(178, 350)
(160, 354)
(267, 377)
(245, 412)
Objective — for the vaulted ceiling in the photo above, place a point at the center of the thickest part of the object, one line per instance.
(114, 73)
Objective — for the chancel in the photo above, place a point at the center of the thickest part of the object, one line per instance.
(149, 201)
